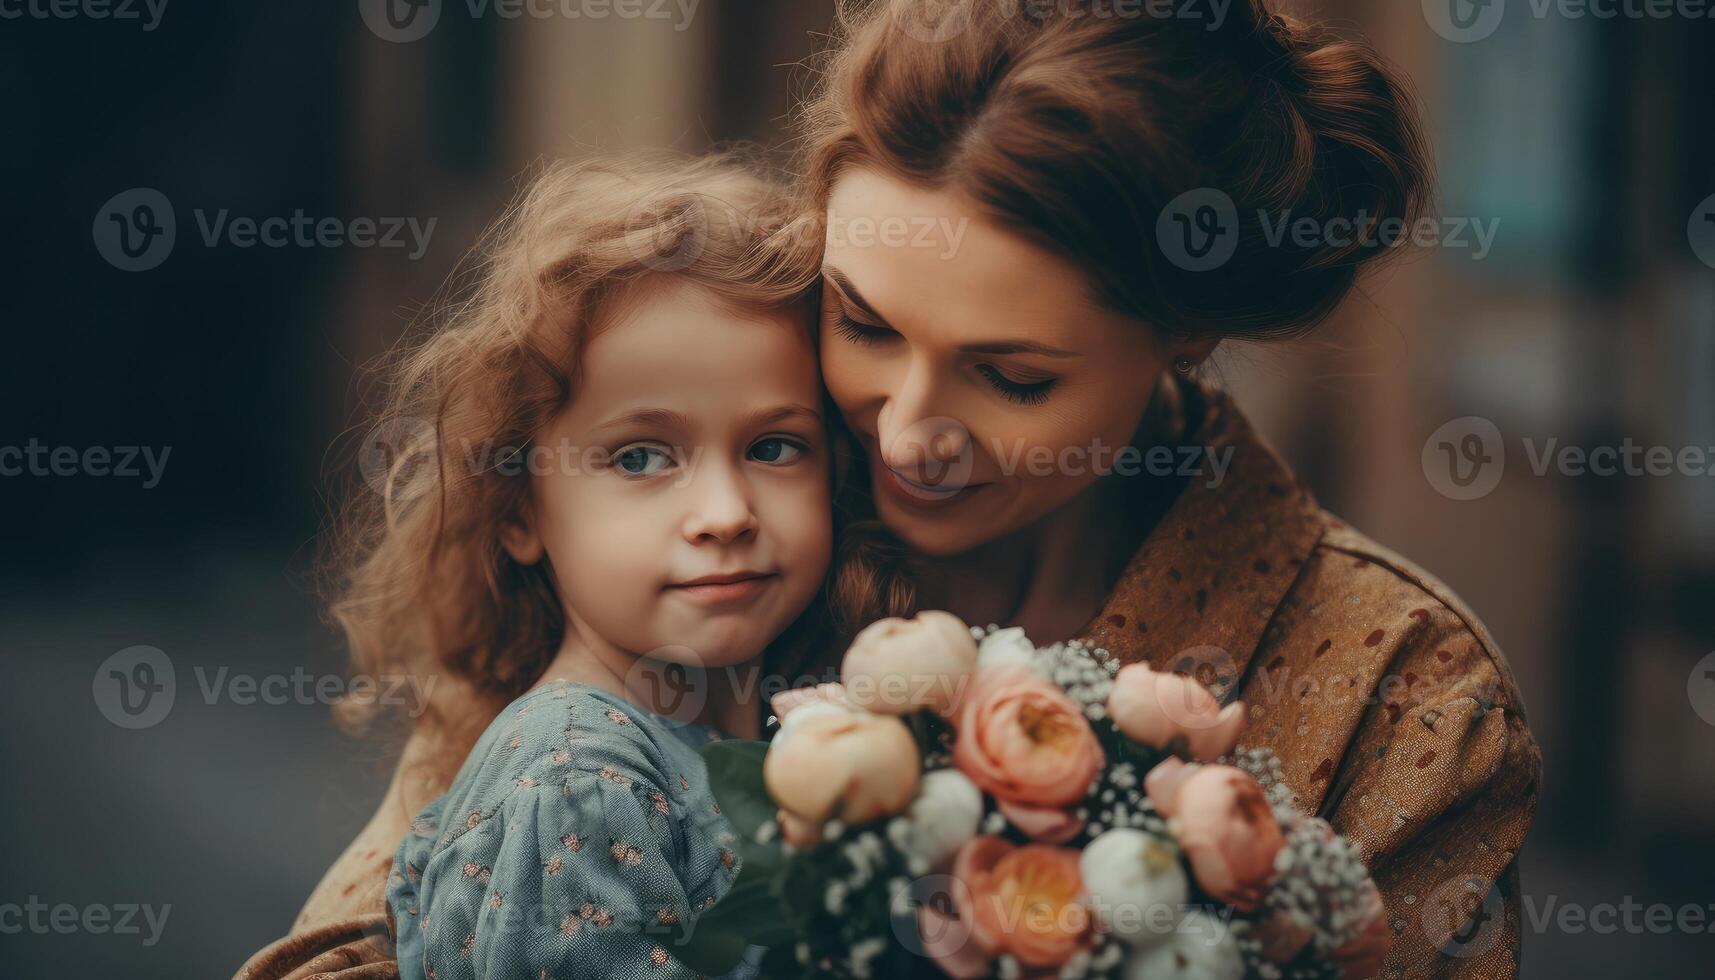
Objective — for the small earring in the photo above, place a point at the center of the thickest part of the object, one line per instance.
(1184, 365)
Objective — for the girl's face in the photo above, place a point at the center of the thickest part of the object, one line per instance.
(694, 448)
(976, 367)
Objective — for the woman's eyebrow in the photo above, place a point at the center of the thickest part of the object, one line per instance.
(851, 295)
(849, 292)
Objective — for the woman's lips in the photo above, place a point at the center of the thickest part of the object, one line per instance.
(721, 593)
(919, 496)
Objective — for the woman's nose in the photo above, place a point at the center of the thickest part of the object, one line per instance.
(911, 437)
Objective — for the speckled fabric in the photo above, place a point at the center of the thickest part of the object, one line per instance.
(1393, 712)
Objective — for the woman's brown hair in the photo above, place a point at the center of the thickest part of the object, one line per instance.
(1079, 123)
(415, 573)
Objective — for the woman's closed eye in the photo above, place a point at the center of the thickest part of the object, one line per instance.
(858, 332)
(1023, 392)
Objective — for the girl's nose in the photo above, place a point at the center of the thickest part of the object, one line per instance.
(720, 507)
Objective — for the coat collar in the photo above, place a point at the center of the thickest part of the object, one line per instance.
(1200, 590)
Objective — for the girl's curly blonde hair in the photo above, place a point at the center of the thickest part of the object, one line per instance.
(415, 574)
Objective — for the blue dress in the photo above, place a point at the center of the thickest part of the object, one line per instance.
(579, 839)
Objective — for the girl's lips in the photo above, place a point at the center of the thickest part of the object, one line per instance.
(720, 593)
(920, 497)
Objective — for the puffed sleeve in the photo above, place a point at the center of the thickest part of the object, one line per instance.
(572, 878)
(1439, 789)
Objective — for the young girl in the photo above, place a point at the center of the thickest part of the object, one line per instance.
(625, 483)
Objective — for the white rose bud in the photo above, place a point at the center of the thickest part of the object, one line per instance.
(1201, 949)
(944, 816)
(1007, 646)
(1136, 884)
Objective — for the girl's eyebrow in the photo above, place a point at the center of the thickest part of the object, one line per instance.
(666, 418)
(849, 293)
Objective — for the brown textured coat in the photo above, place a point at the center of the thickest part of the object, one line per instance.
(1394, 714)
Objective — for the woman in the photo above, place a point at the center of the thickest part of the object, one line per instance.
(1075, 193)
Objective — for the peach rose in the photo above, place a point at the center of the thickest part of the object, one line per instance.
(1027, 902)
(1023, 740)
(1223, 823)
(1172, 712)
(785, 702)
(833, 762)
(895, 666)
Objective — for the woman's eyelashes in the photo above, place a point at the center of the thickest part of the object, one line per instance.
(867, 334)
(1021, 392)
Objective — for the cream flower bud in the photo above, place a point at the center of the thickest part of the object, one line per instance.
(1202, 948)
(1136, 883)
(943, 817)
(1007, 646)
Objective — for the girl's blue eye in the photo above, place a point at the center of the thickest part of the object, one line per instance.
(641, 460)
(775, 451)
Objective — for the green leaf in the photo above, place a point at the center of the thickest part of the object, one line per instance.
(735, 775)
(751, 910)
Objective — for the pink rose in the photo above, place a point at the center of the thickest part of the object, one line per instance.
(1223, 823)
(1168, 711)
(896, 666)
(1024, 741)
(830, 762)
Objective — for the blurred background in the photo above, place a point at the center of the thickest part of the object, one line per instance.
(1588, 321)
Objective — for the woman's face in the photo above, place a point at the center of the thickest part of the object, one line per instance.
(986, 383)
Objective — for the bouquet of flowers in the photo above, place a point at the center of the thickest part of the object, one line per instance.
(965, 803)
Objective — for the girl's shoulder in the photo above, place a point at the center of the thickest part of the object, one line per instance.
(565, 729)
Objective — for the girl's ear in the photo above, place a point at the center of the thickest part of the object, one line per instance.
(520, 538)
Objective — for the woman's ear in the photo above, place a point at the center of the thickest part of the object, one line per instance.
(520, 538)
(1197, 351)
